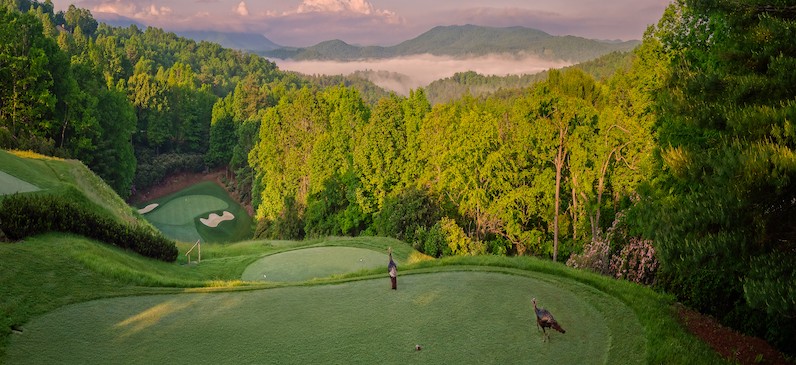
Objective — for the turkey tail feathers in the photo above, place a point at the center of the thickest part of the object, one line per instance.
(557, 327)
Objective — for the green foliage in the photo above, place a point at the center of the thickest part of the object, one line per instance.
(222, 135)
(77, 18)
(404, 213)
(32, 80)
(724, 189)
(28, 215)
(379, 155)
(359, 80)
(153, 168)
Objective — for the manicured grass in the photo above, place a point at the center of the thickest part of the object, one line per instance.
(440, 304)
(178, 215)
(310, 263)
(458, 317)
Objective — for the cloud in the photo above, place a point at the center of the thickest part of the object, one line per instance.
(138, 10)
(345, 7)
(342, 6)
(242, 9)
(154, 11)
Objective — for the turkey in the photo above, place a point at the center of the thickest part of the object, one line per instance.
(545, 319)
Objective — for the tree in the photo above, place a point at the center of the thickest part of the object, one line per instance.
(378, 155)
(725, 189)
(286, 140)
(78, 18)
(115, 161)
(34, 83)
(222, 134)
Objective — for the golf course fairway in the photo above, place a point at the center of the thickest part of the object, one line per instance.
(482, 315)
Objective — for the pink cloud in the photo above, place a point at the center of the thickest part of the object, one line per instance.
(242, 9)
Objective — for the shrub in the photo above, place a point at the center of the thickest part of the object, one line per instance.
(404, 212)
(596, 257)
(636, 262)
(431, 241)
(27, 215)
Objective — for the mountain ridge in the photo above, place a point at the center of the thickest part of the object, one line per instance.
(463, 41)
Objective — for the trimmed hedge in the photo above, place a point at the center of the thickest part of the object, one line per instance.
(30, 214)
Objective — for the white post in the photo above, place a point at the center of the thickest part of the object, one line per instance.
(192, 247)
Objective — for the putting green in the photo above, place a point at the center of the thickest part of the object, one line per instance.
(12, 185)
(179, 215)
(185, 209)
(318, 262)
(458, 317)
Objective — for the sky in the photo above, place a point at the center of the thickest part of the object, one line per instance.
(302, 23)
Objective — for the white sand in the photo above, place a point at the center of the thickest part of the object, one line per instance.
(214, 219)
(148, 208)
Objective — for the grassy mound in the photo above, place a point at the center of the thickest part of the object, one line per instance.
(178, 215)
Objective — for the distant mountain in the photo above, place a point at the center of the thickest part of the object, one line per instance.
(116, 20)
(251, 42)
(464, 41)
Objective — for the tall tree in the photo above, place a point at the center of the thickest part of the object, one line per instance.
(34, 83)
(379, 155)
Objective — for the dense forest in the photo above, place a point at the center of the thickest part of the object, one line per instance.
(675, 169)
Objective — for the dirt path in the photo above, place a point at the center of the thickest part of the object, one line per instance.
(732, 345)
(174, 183)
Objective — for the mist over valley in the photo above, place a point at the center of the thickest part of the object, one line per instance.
(402, 74)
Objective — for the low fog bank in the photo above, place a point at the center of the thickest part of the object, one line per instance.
(419, 71)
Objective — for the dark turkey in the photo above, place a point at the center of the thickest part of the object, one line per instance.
(545, 320)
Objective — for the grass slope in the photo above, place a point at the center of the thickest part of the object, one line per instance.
(68, 178)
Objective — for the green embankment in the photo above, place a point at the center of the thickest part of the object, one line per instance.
(69, 178)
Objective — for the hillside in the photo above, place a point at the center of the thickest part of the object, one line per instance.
(250, 42)
(464, 41)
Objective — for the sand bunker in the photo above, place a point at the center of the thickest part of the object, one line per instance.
(148, 208)
(214, 219)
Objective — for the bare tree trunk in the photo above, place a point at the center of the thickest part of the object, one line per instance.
(559, 162)
(574, 209)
